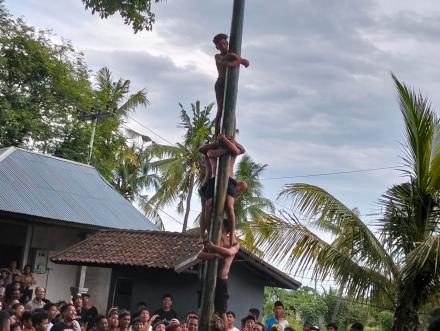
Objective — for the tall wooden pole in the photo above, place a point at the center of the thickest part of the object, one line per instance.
(228, 128)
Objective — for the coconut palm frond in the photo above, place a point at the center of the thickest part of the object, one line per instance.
(328, 213)
(286, 241)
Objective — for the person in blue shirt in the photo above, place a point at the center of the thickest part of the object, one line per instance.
(278, 317)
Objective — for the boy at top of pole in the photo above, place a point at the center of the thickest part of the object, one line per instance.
(224, 59)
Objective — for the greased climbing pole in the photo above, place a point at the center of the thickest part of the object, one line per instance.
(228, 128)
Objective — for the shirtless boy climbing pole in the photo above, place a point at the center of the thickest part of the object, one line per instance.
(223, 60)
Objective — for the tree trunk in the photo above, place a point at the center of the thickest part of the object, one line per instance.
(406, 317)
(188, 202)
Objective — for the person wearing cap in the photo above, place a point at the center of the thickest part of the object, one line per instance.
(165, 312)
(113, 319)
(278, 317)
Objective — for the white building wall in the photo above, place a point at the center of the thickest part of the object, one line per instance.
(98, 283)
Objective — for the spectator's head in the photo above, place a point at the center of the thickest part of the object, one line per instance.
(307, 326)
(137, 324)
(52, 310)
(4, 320)
(289, 328)
(4, 273)
(357, 327)
(434, 325)
(12, 317)
(124, 319)
(16, 278)
(276, 327)
(173, 327)
(191, 314)
(101, 323)
(39, 293)
(249, 322)
(26, 319)
(140, 305)
(258, 326)
(18, 308)
(332, 327)
(167, 301)
(16, 327)
(85, 299)
(230, 318)
(77, 300)
(217, 323)
(278, 309)
(40, 320)
(144, 315)
(113, 318)
(193, 323)
(27, 269)
(15, 294)
(13, 264)
(159, 326)
(68, 312)
(255, 312)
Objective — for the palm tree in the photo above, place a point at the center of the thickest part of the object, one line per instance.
(397, 267)
(251, 205)
(181, 166)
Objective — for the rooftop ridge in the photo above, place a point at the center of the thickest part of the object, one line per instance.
(14, 148)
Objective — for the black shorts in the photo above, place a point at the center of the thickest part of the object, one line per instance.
(202, 190)
(219, 88)
(221, 296)
(232, 187)
(210, 188)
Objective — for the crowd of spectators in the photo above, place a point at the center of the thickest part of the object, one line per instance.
(23, 307)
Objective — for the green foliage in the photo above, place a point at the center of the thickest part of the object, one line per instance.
(398, 269)
(42, 84)
(180, 167)
(136, 13)
(385, 320)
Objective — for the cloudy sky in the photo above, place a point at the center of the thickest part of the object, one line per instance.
(317, 97)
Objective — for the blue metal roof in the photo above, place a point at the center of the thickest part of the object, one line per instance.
(61, 190)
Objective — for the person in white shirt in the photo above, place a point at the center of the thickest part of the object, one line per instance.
(230, 317)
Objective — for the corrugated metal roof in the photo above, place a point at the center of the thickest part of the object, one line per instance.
(57, 189)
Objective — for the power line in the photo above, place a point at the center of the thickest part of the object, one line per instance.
(153, 132)
(331, 173)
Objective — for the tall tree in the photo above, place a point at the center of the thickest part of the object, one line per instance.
(181, 166)
(136, 13)
(42, 83)
(400, 267)
(109, 96)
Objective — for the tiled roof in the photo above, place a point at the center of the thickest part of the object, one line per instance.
(59, 190)
(153, 249)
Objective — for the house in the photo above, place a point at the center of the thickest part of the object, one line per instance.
(76, 230)
(143, 267)
(48, 204)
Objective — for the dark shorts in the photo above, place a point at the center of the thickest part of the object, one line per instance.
(219, 88)
(202, 190)
(221, 296)
(210, 188)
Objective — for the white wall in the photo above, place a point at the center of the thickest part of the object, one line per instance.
(98, 283)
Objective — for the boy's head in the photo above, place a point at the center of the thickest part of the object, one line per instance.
(40, 320)
(278, 309)
(221, 42)
(26, 319)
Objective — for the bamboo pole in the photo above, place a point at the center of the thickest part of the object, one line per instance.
(228, 128)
